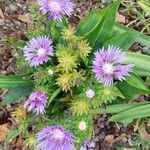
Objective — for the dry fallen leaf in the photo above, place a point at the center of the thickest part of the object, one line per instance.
(3, 131)
(24, 18)
(143, 133)
(19, 142)
(120, 18)
(1, 14)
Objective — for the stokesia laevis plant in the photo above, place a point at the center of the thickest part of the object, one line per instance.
(108, 65)
(54, 70)
(56, 8)
(55, 138)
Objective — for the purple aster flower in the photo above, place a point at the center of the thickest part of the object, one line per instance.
(38, 50)
(108, 64)
(56, 8)
(87, 144)
(90, 93)
(36, 102)
(55, 138)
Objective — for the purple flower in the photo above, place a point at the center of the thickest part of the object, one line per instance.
(108, 64)
(90, 93)
(56, 8)
(36, 102)
(55, 138)
(38, 50)
(87, 144)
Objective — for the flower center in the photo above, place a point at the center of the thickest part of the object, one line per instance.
(41, 52)
(108, 68)
(54, 5)
(58, 134)
(82, 125)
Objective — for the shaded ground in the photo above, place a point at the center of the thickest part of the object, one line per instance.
(13, 23)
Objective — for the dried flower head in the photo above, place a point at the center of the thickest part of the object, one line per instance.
(83, 48)
(80, 107)
(38, 50)
(56, 8)
(55, 138)
(108, 64)
(36, 102)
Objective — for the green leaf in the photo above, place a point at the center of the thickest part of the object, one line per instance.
(140, 37)
(89, 22)
(135, 81)
(145, 5)
(12, 134)
(15, 94)
(128, 91)
(133, 113)
(7, 82)
(117, 108)
(123, 40)
(102, 31)
(53, 96)
(141, 62)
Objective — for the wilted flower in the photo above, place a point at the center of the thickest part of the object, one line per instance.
(90, 93)
(38, 50)
(36, 102)
(108, 64)
(56, 8)
(55, 138)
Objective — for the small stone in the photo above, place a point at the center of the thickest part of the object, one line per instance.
(13, 7)
(109, 139)
(102, 135)
(2, 22)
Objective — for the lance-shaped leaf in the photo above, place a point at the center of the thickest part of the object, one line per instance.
(122, 40)
(117, 108)
(7, 82)
(141, 62)
(140, 37)
(102, 31)
(15, 94)
(128, 115)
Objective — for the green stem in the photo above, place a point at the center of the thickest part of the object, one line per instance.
(53, 96)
